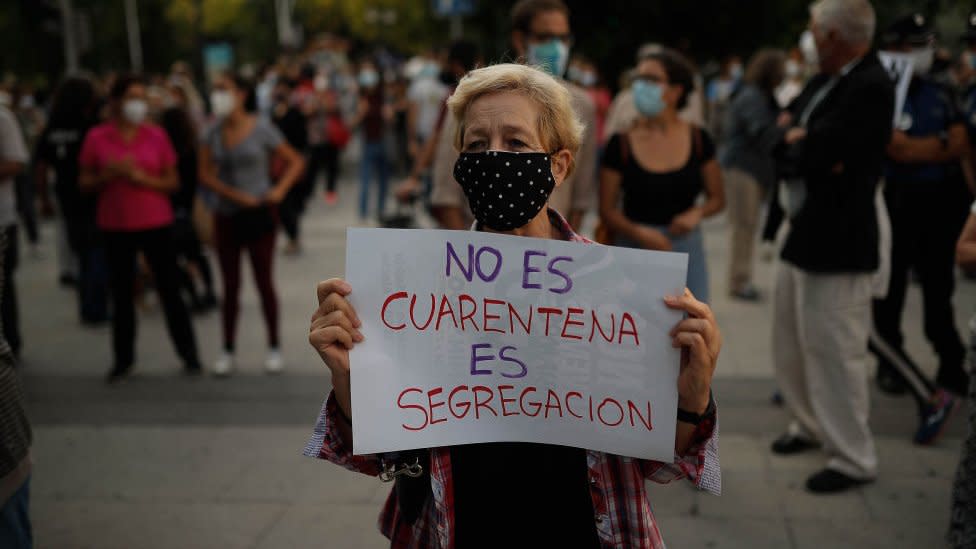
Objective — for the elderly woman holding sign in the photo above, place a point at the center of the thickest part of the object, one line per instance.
(494, 494)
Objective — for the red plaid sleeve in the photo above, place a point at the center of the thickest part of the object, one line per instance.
(699, 464)
(327, 444)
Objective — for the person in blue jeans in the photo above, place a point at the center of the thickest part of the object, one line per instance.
(652, 175)
(372, 118)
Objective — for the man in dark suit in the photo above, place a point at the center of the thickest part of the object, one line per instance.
(841, 123)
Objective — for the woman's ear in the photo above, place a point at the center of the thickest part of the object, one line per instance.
(560, 163)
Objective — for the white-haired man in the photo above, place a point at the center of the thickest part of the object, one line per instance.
(833, 153)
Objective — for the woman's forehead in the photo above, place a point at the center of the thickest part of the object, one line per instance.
(502, 109)
(651, 66)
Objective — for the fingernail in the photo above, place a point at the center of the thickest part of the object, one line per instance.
(670, 299)
(358, 336)
(345, 286)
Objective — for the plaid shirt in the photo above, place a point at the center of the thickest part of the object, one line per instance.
(620, 507)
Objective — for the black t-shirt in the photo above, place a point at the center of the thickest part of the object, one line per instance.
(59, 146)
(293, 126)
(513, 494)
(654, 198)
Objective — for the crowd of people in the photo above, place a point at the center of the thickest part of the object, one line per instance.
(804, 150)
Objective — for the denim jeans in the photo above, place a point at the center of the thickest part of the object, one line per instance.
(374, 157)
(692, 244)
(15, 525)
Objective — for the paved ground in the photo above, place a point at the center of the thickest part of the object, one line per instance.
(164, 461)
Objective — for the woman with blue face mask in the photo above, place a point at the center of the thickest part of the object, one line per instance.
(653, 175)
(372, 118)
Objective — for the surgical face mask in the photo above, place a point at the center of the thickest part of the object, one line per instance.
(573, 73)
(135, 110)
(588, 78)
(320, 83)
(551, 56)
(222, 103)
(505, 190)
(429, 70)
(808, 47)
(369, 78)
(922, 59)
(648, 97)
(791, 68)
(735, 71)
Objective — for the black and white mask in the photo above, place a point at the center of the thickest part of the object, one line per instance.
(505, 190)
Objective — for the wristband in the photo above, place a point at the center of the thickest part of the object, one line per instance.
(684, 416)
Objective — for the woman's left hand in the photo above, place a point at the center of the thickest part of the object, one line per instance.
(699, 338)
(685, 222)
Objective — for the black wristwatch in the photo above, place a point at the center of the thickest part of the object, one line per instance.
(684, 416)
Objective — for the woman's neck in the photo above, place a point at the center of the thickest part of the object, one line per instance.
(662, 122)
(235, 119)
(126, 128)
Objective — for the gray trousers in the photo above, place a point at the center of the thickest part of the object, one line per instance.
(821, 324)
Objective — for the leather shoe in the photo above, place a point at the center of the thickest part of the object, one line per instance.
(789, 444)
(829, 481)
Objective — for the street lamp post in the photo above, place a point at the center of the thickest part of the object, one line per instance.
(132, 29)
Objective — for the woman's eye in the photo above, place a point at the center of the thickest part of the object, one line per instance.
(516, 143)
(475, 146)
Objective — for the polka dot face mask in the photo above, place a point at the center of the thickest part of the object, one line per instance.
(505, 189)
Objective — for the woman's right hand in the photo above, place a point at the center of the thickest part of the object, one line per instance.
(333, 333)
(652, 239)
(246, 201)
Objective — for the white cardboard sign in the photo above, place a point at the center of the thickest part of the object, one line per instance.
(473, 337)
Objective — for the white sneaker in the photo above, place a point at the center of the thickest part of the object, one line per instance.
(274, 364)
(224, 365)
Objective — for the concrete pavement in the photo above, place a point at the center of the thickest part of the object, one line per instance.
(166, 461)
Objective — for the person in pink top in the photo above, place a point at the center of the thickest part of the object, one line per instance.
(131, 164)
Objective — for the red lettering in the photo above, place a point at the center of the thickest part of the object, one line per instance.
(599, 412)
(549, 398)
(596, 326)
(549, 311)
(478, 404)
(415, 406)
(465, 298)
(632, 331)
(501, 396)
(513, 315)
(431, 404)
(634, 410)
(465, 404)
(488, 316)
(538, 406)
(569, 322)
(390, 299)
(430, 317)
(445, 303)
(570, 410)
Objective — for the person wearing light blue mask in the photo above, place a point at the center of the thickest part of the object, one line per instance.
(540, 37)
(658, 169)
(372, 118)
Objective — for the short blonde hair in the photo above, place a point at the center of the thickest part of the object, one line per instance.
(559, 127)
